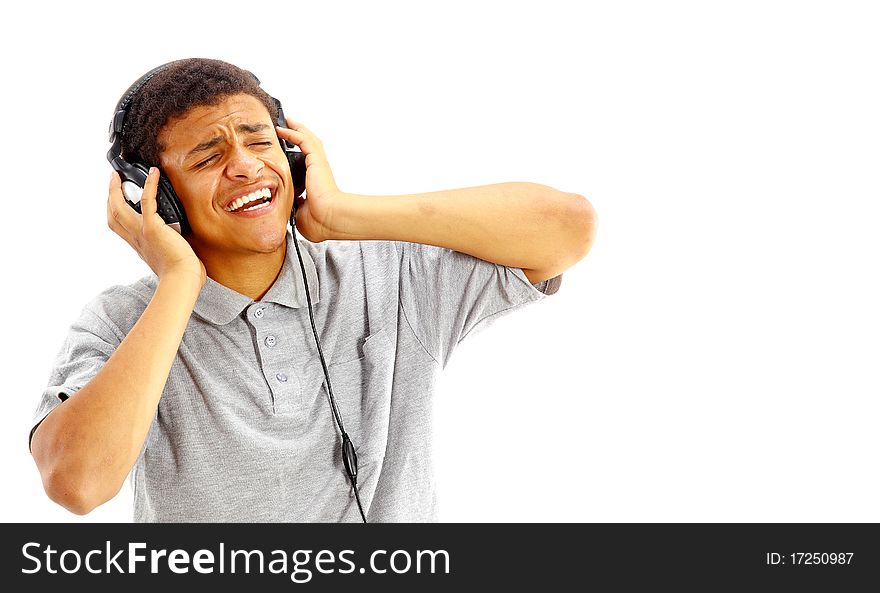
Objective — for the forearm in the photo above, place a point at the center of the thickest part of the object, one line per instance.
(523, 225)
(86, 447)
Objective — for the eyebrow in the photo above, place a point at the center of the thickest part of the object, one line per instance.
(241, 128)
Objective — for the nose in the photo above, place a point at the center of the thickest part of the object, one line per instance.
(243, 165)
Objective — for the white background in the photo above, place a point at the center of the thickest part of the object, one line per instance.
(714, 357)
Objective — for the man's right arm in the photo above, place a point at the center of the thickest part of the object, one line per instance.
(87, 446)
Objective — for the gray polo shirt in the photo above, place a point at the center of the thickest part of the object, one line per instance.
(243, 431)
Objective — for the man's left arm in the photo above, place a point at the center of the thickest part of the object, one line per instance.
(525, 225)
(537, 228)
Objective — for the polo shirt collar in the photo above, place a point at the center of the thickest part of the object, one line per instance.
(219, 304)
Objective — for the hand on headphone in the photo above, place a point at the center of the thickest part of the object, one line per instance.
(315, 213)
(160, 246)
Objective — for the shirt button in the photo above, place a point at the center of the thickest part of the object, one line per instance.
(281, 377)
(271, 341)
(258, 313)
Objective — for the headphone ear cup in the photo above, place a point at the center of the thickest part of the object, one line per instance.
(169, 206)
(297, 172)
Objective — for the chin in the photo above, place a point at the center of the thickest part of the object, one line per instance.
(270, 240)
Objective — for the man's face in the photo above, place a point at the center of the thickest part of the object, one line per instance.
(216, 154)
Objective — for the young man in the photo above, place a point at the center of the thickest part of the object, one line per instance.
(203, 382)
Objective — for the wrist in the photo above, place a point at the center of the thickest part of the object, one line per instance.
(337, 226)
(358, 217)
(184, 280)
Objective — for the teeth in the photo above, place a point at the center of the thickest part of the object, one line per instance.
(256, 195)
(257, 207)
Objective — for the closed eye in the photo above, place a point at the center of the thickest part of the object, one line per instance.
(206, 161)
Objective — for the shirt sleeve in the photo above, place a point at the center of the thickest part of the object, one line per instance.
(88, 345)
(447, 295)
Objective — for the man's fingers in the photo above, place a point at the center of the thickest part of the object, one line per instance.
(300, 135)
(294, 125)
(289, 135)
(287, 127)
(299, 130)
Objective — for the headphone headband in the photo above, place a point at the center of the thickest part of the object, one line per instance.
(117, 124)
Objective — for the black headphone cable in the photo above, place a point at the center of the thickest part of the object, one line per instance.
(349, 456)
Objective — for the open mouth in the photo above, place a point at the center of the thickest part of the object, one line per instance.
(260, 199)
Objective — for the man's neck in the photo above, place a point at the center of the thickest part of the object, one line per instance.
(249, 274)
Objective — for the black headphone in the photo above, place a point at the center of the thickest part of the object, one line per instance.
(169, 207)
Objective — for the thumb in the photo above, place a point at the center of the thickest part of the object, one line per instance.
(149, 207)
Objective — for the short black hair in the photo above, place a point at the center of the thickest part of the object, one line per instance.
(172, 92)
